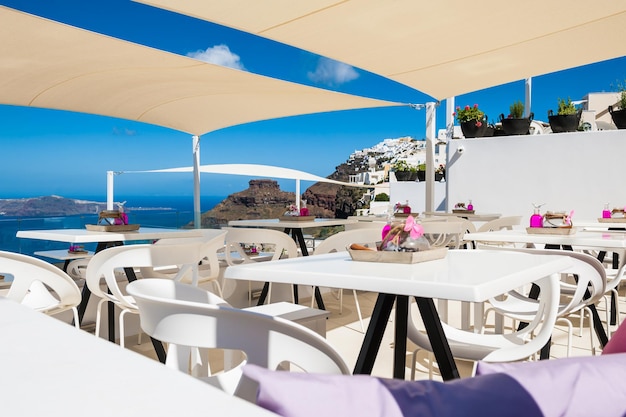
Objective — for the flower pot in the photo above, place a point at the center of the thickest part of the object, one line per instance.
(406, 175)
(619, 117)
(474, 128)
(515, 126)
(564, 122)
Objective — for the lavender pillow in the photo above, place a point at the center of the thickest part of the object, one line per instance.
(592, 383)
(303, 395)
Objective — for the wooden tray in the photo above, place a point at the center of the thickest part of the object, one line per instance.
(612, 220)
(296, 218)
(461, 211)
(551, 230)
(112, 227)
(397, 257)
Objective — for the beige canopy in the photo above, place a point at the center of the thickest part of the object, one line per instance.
(51, 65)
(442, 48)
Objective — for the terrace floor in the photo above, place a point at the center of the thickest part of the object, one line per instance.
(344, 333)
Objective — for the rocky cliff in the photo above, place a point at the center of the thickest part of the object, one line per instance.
(265, 199)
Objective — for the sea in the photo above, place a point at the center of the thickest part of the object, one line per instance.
(148, 211)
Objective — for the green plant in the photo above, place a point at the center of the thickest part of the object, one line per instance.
(468, 113)
(402, 166)
(381, 197)
(621, 89)
(566, 107)
(516, 110)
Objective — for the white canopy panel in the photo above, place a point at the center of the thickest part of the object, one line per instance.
(442, 48)
(257, 170)
(52, 65)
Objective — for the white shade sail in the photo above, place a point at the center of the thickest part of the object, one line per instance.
(256, 170)
(52, 65)
(442, 48)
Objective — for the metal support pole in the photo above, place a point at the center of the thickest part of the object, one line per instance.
(528, 96)
(430, 156)
(110, 190)
(197, 219)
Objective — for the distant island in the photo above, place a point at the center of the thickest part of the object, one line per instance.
(56, 206)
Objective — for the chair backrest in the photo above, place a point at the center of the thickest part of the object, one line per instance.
(213, 240)
(475, 346)
(282, 244)
(339, 241)
(106, 264)
(444, 233)
(188, 316)
(590, 278)
(500, 224)
(39, 284)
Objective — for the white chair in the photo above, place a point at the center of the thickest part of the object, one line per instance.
(503, 223)
(444, 233)
(515, 346)
(191, 319)
(209, 267)
(588, 289)
(105, 271)
(338, 243)
(40, 285)
(275, 245)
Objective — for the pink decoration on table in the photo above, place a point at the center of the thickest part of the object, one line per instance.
(386, 229)
(304, 211)
(568, 219)
(415, 229)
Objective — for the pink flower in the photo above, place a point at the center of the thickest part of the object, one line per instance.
(479, 124)
(475, 106)
(467, 107)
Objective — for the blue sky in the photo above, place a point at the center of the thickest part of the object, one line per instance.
(52, 152)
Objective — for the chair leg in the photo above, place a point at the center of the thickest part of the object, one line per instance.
(99, 316)
(122, 332)
(76, 319)
(218, 287)
(358, 310)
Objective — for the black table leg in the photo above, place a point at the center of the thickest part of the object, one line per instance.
(399, 350)
(298, 237)
(437, 338)
(374, 334)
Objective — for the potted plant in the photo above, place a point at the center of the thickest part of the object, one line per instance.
(404, 171)
(472, 120)
(619, 115)
(515, 123)
(567, 117)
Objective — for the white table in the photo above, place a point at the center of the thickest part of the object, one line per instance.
(105, 240)
(294, 228)
(52, 369)
(88, 236)
(603, 241)
(477, 217)
(463, 275)
(64, 255)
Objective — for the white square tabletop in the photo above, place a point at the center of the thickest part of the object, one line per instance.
(582, 238)
(287, 224)
(53, 369)
(88, 236)
(462, 275)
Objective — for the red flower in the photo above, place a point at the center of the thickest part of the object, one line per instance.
(468, 107)
(479, 124)
(475, 106)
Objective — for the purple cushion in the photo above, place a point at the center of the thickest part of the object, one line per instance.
(302, 395)
(591, 383)
(617, 343)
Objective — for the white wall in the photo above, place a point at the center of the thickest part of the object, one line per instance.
(579, 170)
(415, 193)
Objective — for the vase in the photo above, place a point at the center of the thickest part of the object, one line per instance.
(406, 175)
(513, 126)
(564, 122)
(619, 117)
(470, 129)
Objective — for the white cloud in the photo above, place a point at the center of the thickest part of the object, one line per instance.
(332, 73)
(219, 55)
